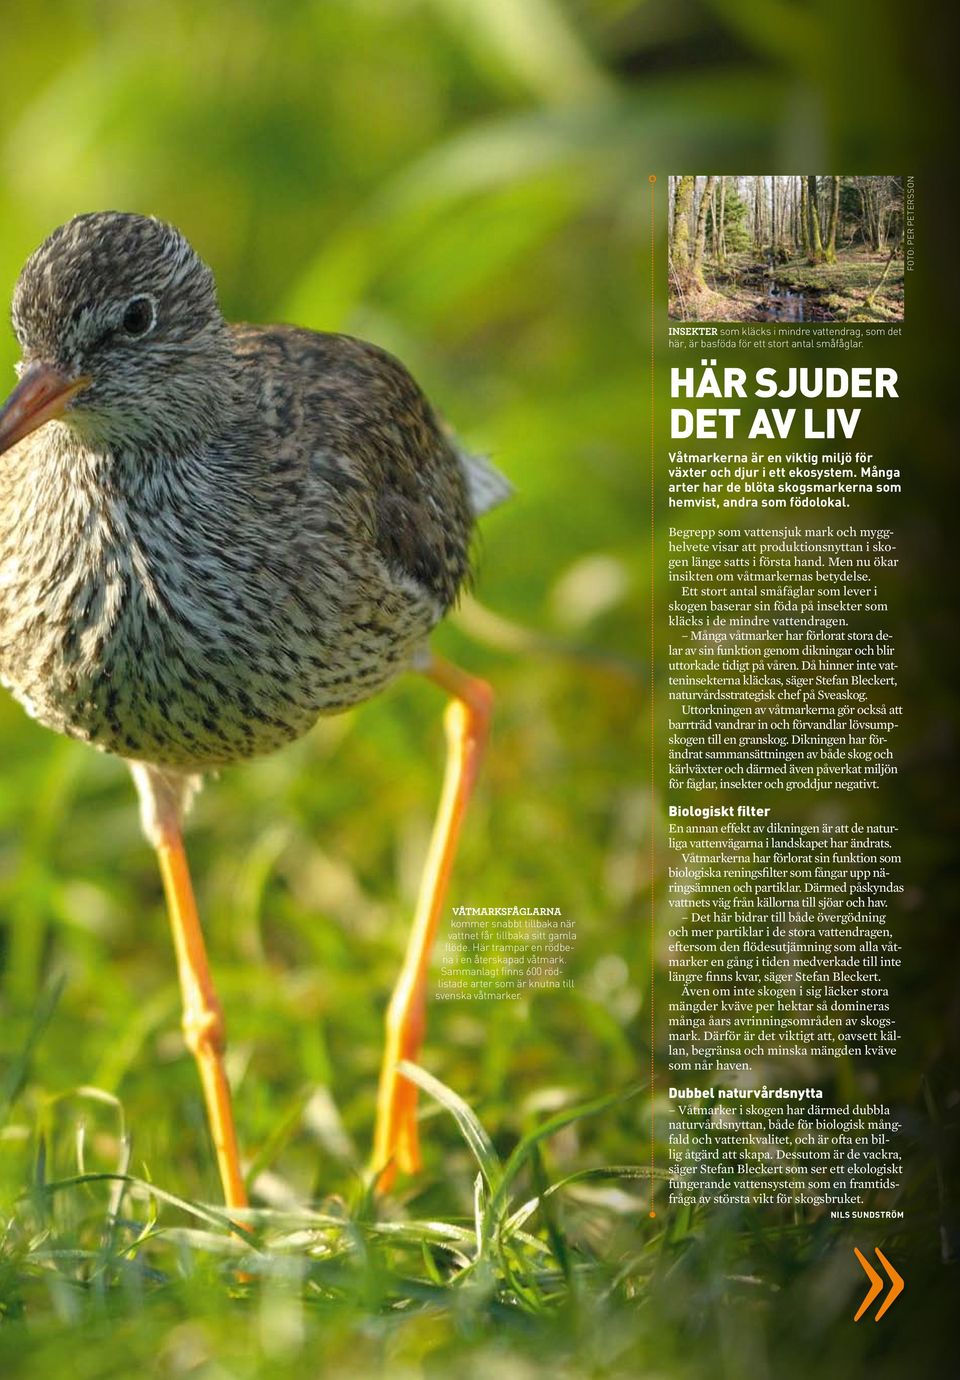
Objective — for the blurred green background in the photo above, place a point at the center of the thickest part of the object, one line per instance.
(464, 182)
(413, 174)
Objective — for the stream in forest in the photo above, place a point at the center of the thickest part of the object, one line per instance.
(783, 304)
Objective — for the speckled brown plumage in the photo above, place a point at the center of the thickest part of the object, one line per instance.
(230, 529)
(209, 535)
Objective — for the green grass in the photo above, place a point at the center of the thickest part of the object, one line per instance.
(121, 1254)
(465, 182)
(503, 1265)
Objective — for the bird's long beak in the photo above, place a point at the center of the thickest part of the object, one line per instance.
(42, 393)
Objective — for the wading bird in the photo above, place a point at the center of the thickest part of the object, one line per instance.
(211, 534)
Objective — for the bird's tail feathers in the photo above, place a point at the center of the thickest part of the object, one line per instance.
(487, 487)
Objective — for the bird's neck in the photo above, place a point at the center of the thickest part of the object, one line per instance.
(62, 487)
(199, 407)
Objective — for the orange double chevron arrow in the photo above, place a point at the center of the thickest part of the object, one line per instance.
(876, 1284)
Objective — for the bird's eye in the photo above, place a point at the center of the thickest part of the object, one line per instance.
(139, 316)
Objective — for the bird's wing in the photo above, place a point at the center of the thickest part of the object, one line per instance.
(373, 440)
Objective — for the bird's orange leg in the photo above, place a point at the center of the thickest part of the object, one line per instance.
(203, 1028)
(396, 1144)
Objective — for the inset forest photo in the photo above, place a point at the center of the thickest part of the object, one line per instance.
(793, 249)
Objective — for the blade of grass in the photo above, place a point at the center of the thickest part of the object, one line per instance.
(555, 1235)
(17, 1073)
(466, 1119)
(524, 1148)
(205, 1214)
(478, 1214)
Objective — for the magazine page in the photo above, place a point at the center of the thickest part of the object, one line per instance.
(478, 725)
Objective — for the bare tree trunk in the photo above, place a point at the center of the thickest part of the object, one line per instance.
(883, 206)
(700, 239)
(804, 237)
(722, 240)
(831, 249)
(714, 230)
(773, 213)
(680, 240)
(871, 296)
(794, 216)
(872, 218)
(815, 248)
